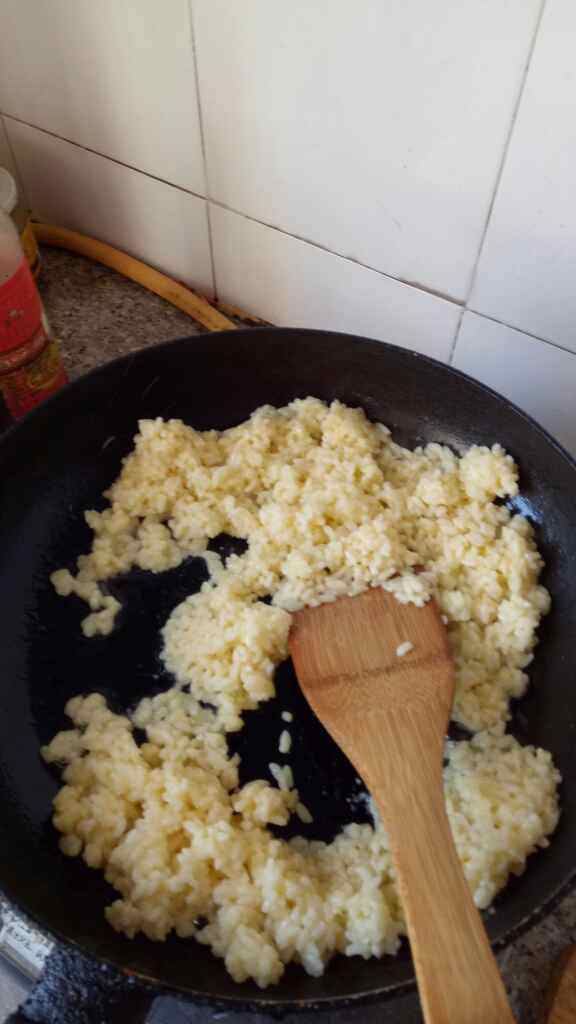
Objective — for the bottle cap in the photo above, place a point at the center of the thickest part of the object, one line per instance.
(8, 191)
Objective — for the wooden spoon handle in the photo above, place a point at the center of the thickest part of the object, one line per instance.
(561, 1001)
(458, 977)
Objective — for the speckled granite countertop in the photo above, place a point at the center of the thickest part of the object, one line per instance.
(97, 316)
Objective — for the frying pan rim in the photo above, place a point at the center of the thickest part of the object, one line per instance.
(281, 1005)
(130, 357)
(275, 1004)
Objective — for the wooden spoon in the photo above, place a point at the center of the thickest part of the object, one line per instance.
(561, 1001)
(389, 713)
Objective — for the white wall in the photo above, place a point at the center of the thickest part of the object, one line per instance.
(402, 170)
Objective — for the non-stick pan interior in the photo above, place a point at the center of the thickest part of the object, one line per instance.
(58, 462)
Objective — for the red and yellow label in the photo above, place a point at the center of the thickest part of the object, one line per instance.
(30, 364)
(20, 309)
(27, 386)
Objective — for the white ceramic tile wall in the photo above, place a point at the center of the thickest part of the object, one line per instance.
(374, 129)
(71, 187)
(527, 273)
(292, 283)
(114, 76)
(538, 377)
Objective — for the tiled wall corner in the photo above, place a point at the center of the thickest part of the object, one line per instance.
(296, 284)
(373, 129)
(117, 78)
(537, 376)
(69, 186)
(527, 272)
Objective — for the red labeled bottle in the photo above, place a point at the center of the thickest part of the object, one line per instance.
(30, 363)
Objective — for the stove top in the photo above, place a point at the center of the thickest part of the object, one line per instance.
(23, 951)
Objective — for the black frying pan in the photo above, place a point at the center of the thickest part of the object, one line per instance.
(55, 464)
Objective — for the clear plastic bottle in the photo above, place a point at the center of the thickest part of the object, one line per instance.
(30, 364)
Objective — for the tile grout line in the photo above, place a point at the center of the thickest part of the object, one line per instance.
(499, 173)
(450, 359)
(209, 200)
(103, 156)
(520, 330)
(443, 296)
(202, 144)
(463, 305)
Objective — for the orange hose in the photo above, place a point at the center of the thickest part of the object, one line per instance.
(177, 294)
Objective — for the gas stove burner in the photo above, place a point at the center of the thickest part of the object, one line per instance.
(26, 950)
(21, 944)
